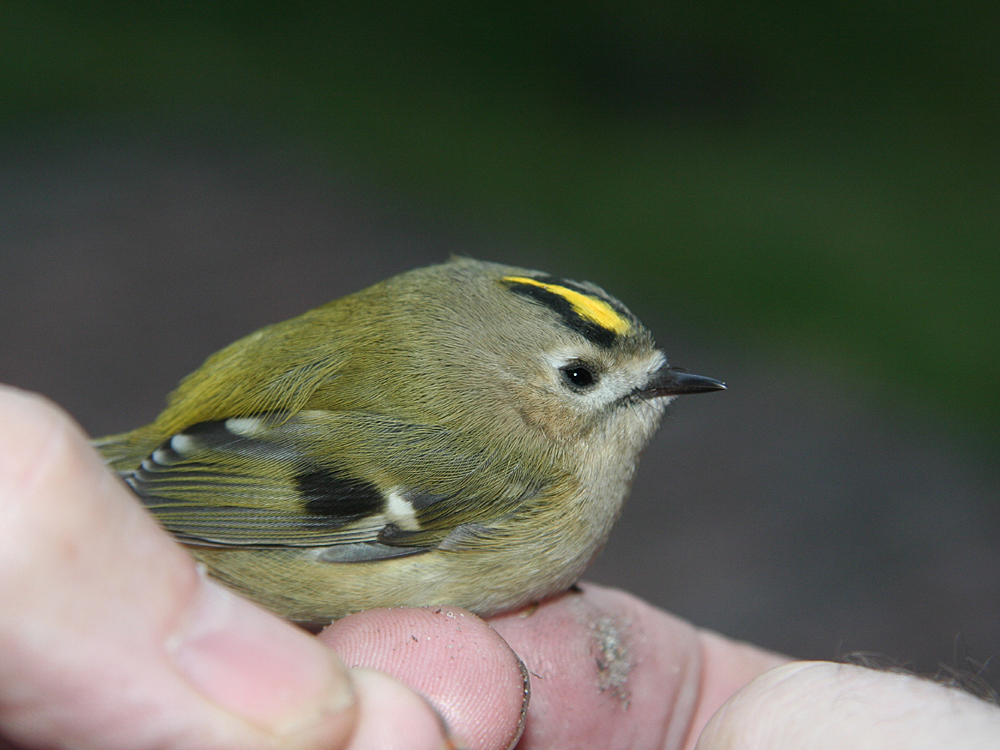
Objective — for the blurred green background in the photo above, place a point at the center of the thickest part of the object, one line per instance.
(812, 189)
(826, 175)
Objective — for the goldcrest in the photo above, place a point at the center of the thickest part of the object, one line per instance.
(460, 435)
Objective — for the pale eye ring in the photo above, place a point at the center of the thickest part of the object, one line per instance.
(579, 376)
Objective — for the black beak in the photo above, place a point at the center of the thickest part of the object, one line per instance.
(669, 381)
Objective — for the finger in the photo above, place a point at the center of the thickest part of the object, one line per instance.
(610, 671)
(391, 715)
(606, 671)
(726, 667)
(822, 705)
(466, 671)
(109, 638)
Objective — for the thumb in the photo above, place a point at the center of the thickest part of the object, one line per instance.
(109, 637)
(822, 705)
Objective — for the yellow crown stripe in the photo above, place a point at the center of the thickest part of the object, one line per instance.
(589, 308)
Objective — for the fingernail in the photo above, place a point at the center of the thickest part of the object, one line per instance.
(525, 701)
(255, 665)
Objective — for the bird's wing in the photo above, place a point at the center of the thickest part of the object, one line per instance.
(362, 486)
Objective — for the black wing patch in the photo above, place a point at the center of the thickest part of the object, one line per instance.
(340, 498)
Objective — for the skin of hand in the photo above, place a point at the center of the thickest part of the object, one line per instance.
(111, 638)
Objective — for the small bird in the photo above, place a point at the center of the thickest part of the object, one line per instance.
(463, 435)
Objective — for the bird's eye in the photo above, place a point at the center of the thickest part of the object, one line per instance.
(579, 376)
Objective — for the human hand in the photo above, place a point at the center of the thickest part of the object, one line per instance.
(109, 638)
(609, 671)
